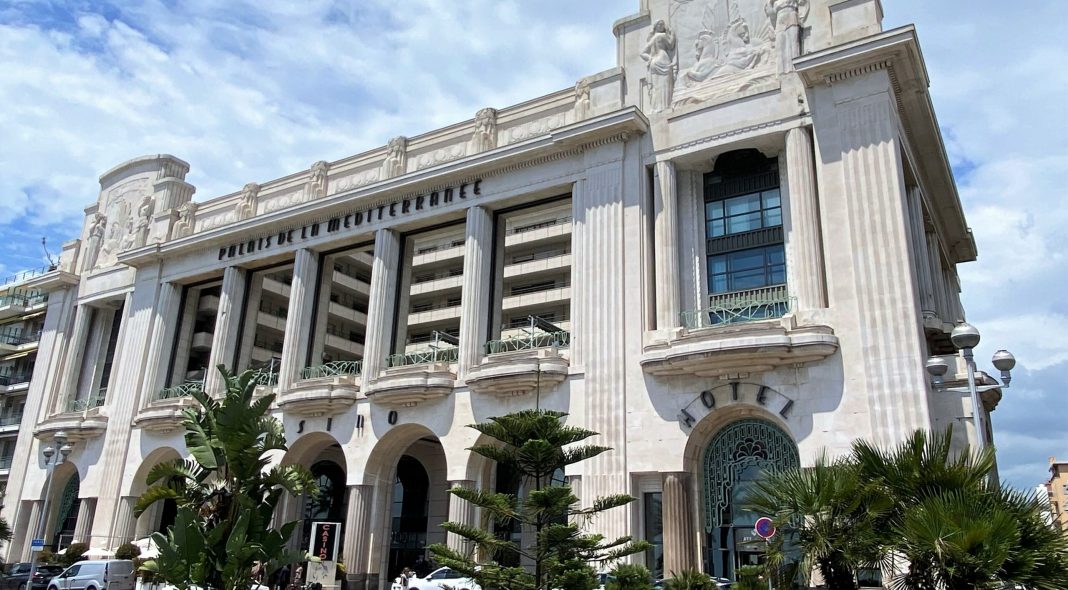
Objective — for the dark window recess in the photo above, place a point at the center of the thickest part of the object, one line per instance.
(113, 341)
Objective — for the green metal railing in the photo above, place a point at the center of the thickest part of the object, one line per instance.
(333, 369)
(178, 391)
(529, 342)
(81, 405)
(424, 357)
(741, 306)
(267, 376)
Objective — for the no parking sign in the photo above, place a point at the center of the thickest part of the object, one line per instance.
(764, 528)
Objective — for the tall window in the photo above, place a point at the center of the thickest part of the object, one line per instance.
(265, 322)
(341, 314)
(200, 308)
(744, 233)
(98, 357)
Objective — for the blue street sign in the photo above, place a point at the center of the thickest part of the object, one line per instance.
(36, 544)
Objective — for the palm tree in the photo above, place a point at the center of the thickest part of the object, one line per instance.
(832, 513)
(225, 494)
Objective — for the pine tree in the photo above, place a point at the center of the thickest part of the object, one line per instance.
(535, 444)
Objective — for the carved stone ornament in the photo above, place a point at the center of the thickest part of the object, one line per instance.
(582, 98)
(94, 241)
(485, 136)
(661, 55)
(729, 47)
(317, 180)
(186, 220)
(120, 218)
(246, 207)
(396, 162)
(139, 233)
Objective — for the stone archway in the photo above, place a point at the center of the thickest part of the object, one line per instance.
(161, 514)
(324, 456)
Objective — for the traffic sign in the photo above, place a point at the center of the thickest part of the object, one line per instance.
(36, 544)
(764, 528)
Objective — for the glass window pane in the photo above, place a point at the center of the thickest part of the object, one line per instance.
(776, 254)
(772, 199)
(743, 204)
(743, 223)
(714, 210)
(773, 217)
(718, 284)
(746, 259)
(747, 279)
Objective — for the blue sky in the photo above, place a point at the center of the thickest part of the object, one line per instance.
(250, 91)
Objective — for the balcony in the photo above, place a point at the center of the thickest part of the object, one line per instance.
(9, 424)
(208, 304)
(354, 284)
(414, 377)
(521, 365)
(166, 412)
(323, 390)
(536, 232)
(17, 304)
(741, 332)
(5, 463)
(17, 340)
(16, 382)
(440, 253)
(202, 341)
(81, 419)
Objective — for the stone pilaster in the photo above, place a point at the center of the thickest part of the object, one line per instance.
(164, 325)
(227, 321)
(299, 317)
(921, 259)
(680, 549)
(463, 512)
(34, 525)
(86, 510)
(356, 547)
(83, 319)
(477, 281)
(804, 235)
(600, 271)
(131, 360)
(125, 521)
(381, 302)
(666, 245)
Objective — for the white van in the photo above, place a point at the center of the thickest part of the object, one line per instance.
(96, 574)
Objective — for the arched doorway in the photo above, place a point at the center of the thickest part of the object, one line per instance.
(738, 456)
(66, 514)
(409, 513)
(330, 504)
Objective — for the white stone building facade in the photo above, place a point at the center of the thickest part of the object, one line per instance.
(729, 253)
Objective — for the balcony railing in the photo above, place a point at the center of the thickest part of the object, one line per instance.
(179, 391)
(28, 274)
(334, 369)
(5, 462)
(93, 401)
(539, 225)
(23, 299)
(266, 376)
(18, 337)
(741, 306)
(11, 420)
(424, 357)
(529, 342)
(8, 380)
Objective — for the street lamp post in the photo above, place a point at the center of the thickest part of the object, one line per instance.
(48, 452)
(965, 338)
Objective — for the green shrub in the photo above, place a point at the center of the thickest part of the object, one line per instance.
(750, 577)
(689, 580)
(630, 577)
(46, 556)
(127, 551)
(73, 554)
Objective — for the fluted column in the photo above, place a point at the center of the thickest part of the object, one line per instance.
(381, 303)
(125, 521)
(463, 512)
(34, 526)
(666, 245)
(164, 325)
(921, 259)
(299, 317)
(804, 238)
(227, 321)
(477, 281)
(680, 549)
(356, 547)
(75, 350)
(86, 509)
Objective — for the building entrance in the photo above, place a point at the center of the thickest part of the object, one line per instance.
(739, 456)
(409, 514)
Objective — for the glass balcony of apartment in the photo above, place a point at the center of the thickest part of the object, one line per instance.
(16, 304)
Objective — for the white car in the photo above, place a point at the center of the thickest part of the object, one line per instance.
(443, 578)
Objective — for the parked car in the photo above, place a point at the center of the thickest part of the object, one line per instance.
(96, 574)
(15, 576)
(443, 578)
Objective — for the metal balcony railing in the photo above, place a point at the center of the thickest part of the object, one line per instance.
(28, 274)
(539, 225)
(11, 420)
(423, 357)
(179, 391)
(5, 462)
(529, 342)
(93, 401)
(753, 305)
(333, 369)
(8, 380)
(266, 376)
(17, 337)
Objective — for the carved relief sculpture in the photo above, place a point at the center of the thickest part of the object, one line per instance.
(485, 137)
(396, 162)
(186, 220)
(139, 233)
(786, 17)
(246, 207)
(317, 180)
(582, 99)
(94, 242)
(730, 53)
(661, 55)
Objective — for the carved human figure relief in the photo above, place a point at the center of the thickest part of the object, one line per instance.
(396, 162)
(786, 17)
(660, 53)
(186, 220)
(582, 99)
(246, 207)
(94, 241)
(485, 136)
(139, 233)
(317, 180)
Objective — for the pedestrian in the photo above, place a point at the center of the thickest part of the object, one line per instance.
(282, 577)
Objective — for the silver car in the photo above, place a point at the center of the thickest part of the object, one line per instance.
(102, 574)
